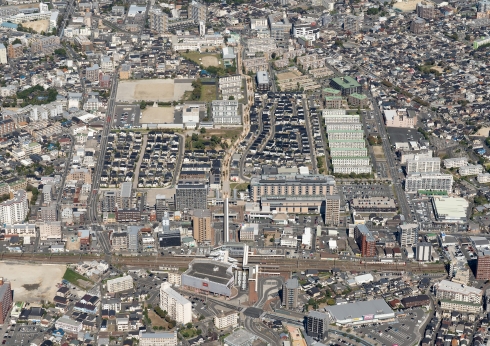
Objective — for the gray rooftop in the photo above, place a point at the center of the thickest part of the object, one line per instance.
(212, 270)
(358, 309)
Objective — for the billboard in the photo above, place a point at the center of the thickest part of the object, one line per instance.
(368, 317)
(205, 284)
(357, 319)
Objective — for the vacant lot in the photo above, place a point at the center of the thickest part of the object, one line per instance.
(406, 6)
(483, 132)
(156, 321)
(32, 283)
(208, 93)
(206, 59)
(378, 152)
(37, 25)
(158, 115)
(288, 75)
(163, 90)
(75, 278)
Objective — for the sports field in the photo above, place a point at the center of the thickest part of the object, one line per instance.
(162, 90)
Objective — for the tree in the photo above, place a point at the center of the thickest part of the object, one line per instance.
(202, 130)
(373, 11)
(188, 325)
(195, 137)
(143, 104)
(60, 51)
(17, 41)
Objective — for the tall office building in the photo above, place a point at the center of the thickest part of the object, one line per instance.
(191, 196)
(158, 21)
(365, 240)
(3, 54)
(14, 210)
(290, 293)
(5, 299)
(198, 12)
(483, 265)
(202, 231)
(179, 308)
(423, 251)
(317, 325)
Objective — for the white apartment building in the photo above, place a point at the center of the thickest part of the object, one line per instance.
(345, 134)
(21, 229)
(352, 169)
(225, 112)
(350, 161)
(400, 118)
(258, 23)
(455, 162)
(348, 152)
(176, 305)
(3, 54)
(158, 339)
(343, 126)
(337, 116)
(158, 21)
(174, 278)
(470, 170)
(424, 165)
(14, 210)
(231, 86)
(408, 234)
(256, 64)
(428, 181)
(452, 305)
(225, 320)
(50, 230)
(120, 284)
(307, 31)
(415, 155)
(455, 291)
(483, 178)
(68, 324)
(262, 44)
(352, 143)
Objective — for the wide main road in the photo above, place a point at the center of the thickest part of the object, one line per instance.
(265, 264)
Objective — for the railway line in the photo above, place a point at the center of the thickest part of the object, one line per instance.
(265, 263)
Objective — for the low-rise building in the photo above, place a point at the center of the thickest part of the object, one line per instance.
(225, 320)
(120, 284)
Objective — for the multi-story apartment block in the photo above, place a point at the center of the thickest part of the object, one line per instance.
(258, 23)
(332, 102)
(455, 291)
(49, 230)
(226, 319)
(455, 162)
(352, 169)
(6, 126)
(425, 10)
(332, 210)
(344, 143)
(418, 26)
(348, 152)
(202, 231)
(158, 21)
(400, 118)
(307, 31)
(424, 165)
(47, 213)
(451, 305)
(408, 234)
(80, 174)
(92, 73)
(176, 305)
(119, 241)
(3, 54)
(231, 86)
(365, 240)
(158, 339)
(352, 23)
(15, 51)
(345, 134)
(280, 27)
(333, 116)
(483, 264)
(470, 170)
(191, 196)
(255, 65)
(290, 290)
(350, 161)
(261, 45)
(428, 181)
(198, 12)
(483, 178)
(45, 45)
(68, 324)
(225, 112)
(120, 284)
(5, 299)
(317, 325)
(347, 85)
(14, 210)
(311, 61)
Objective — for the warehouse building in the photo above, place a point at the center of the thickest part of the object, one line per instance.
(450, 209)
(360, 312)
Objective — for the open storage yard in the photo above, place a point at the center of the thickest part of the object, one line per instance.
(32, 283)
(162, 90)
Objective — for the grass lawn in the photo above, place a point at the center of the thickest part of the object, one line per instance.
(239, 186)
(224, 133)
(195, 56)
(208, 93)
(73, 277)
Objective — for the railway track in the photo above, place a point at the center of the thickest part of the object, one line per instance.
(266, 264)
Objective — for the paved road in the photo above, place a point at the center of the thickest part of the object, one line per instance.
(180, 158)
(138, 164)
(306, 109)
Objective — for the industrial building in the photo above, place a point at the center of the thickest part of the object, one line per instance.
(209, 277)
(360, 312)
(450, 209)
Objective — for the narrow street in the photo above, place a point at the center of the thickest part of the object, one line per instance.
(138, 164)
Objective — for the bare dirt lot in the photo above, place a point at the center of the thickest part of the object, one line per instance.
(210, 61)
(37, 25)
(158, 115)
(156, 321)
(406, 6)
(151, 194)
(32, 283)
(163, 90)
(288, 75)
(483, 132)
(378, 152)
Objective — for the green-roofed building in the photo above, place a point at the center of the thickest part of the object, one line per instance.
(333, 102)
(358, 100)
(347, 85)
(331, 92)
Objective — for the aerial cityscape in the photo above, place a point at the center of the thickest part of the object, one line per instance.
(244, 173)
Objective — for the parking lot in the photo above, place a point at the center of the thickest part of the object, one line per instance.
(402, 332)
(127, 116)
(21, 335)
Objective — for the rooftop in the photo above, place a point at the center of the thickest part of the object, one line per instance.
(359, 309)
(215, 271)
